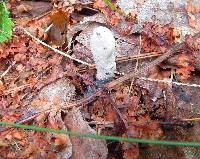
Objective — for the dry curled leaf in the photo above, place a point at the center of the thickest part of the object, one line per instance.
(156, 38)
(60, 20)
(185, 72)
(132, 153)
(191, 9)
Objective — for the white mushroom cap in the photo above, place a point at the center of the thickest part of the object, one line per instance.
(102, 44)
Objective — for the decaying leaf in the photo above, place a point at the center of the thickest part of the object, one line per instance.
(191, 10)
(36, 82)
(60, 21)
(84, 148)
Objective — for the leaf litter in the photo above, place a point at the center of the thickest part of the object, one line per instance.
(50, 90)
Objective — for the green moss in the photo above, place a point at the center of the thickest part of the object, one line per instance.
(6, 24)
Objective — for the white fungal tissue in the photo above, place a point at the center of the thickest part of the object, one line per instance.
(102, 44)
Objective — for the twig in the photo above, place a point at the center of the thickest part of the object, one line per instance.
(145, 69)
(41, 16)
(192, 119)
(48, 28)
(15, 89)
(17, 146)
(127, 58)
(136, 66)
(50, 47)
(8, 69)
(141, 72)
(137, 60)
(79, 103)
(137, 56)
(170, 82)
(102, 122)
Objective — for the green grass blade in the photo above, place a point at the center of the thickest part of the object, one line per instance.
(104, 137)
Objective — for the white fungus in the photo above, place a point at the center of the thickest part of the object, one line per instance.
(102, 44)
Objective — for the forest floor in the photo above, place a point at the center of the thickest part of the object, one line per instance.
(47, 69)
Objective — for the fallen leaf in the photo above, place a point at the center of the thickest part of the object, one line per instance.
(18, 135)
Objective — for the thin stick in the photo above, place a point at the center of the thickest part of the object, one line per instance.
(126, 59)
(48, 28)
(145, 69)
(50, 47)
(141, 72)
(7, 70)
(42, 16)
(192, 119)
(170, 82)
(15, 89)
(136, 67)
(79, 103)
